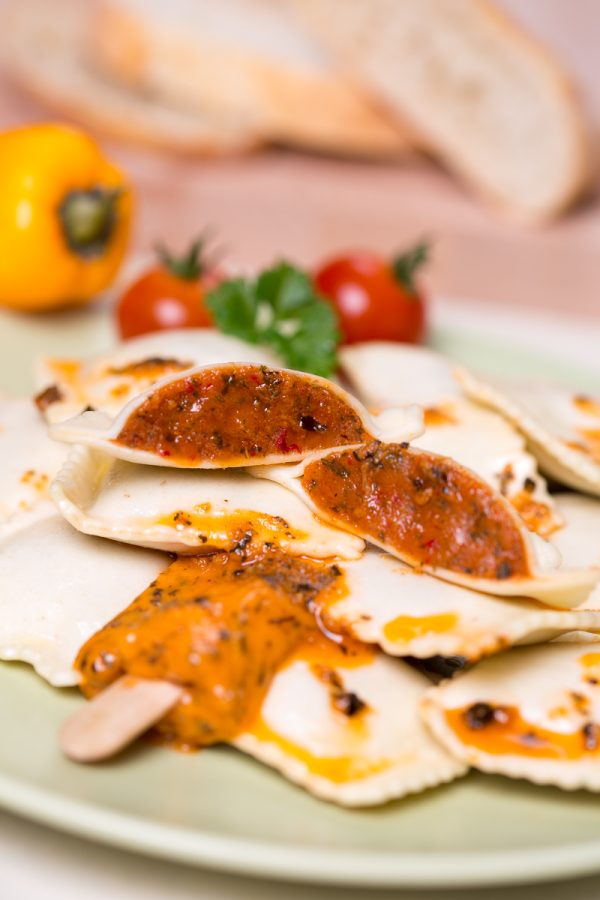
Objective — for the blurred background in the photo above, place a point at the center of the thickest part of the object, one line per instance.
(288, 132)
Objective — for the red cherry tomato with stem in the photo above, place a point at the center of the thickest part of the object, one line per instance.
(376, 300)
(171, 295)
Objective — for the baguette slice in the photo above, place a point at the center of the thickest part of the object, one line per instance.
(248, 58)
(43, 50)
(486, 99)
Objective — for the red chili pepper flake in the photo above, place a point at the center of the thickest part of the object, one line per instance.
(254, 378)
(189, 385)
(429, 545)
(282, 445)
(163, 452)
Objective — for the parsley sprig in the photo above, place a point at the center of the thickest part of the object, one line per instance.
(281, 310)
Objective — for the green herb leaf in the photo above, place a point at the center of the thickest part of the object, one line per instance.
(233, 306)
(280, 309)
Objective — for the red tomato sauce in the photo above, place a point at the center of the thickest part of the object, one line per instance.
(234, 415)
(426, 507)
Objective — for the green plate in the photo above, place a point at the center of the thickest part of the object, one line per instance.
(222, 810)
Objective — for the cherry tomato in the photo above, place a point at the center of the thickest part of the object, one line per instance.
(171, 295)
(376, 300)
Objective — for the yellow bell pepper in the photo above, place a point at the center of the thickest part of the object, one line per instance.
(65, 214)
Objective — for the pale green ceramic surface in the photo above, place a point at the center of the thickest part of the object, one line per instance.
(220, 809)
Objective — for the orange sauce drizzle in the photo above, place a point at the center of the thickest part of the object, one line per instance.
(406, 628)
(338, 769)
(576, 445)
(591, 437)
(590, 445)
(591, 666)
(508, 733)
(587, 405)
(225, 529)
(438, 415)
(326, 659)
(537, 516)
(321, 653)
(590, 660)
(39, 481)
(66, 370)
(120, 390)
(221, 626)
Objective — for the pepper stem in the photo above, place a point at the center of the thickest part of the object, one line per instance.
(88, 219)
(406, 265)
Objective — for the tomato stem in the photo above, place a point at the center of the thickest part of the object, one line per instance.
(88, 219)
(188, 267)
(408, 263)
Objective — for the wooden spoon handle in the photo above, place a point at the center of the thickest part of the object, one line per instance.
(116, 717)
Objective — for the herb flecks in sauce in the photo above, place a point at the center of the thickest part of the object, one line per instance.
(237, 414)
(221, 626)
(427, 508)
(223, 530)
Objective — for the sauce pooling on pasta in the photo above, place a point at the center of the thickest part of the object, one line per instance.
(222, 627)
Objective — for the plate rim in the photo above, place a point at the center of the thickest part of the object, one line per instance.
(246, 856)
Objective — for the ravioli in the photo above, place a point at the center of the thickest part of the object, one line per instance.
(530, 713)
(248, 640)
(228, 415)
(107, 382)
(436, 515)
(29, 461)
(58, 588)
(409, 613)
(579, 541)
(385, 374)
(349, 733)
(187, 511)
(562, 427)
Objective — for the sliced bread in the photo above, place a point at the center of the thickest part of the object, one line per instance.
(43, 48)
(486, 98)
(248, 58)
